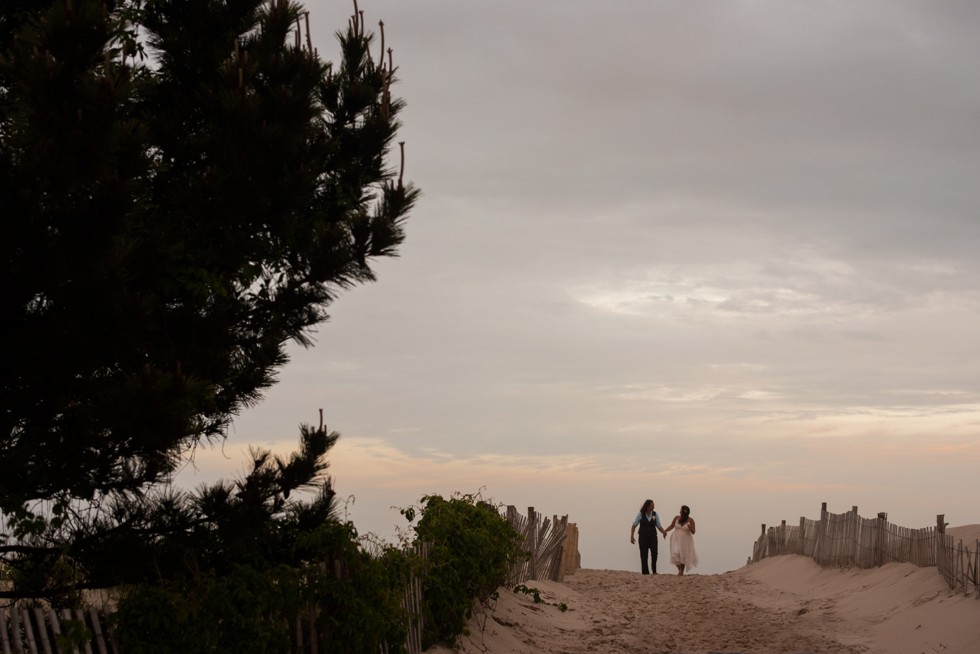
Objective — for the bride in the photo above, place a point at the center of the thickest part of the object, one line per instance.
(682, 552)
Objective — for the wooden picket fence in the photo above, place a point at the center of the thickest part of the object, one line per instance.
(39, 630)
(848, 540)
(958, 565)
(552, 546)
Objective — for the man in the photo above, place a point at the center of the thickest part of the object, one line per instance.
(648, 520)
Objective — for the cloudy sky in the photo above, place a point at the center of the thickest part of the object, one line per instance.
(717, 253)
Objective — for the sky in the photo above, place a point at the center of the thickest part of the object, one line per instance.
(717, 253)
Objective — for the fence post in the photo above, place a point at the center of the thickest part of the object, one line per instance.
(569, 549)
(532, 524)
(942, 561)
(855, 530)
(801, 537)
(881, 539)
(557, 567)
(943, 553)
(818, 551)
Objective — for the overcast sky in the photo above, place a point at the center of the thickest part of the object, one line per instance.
(715, 253)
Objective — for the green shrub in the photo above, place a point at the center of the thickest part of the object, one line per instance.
(359, 594)
(472, 549)
(357, 600)
(239, 612)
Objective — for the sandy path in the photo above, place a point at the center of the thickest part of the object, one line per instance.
(783, 605)
(694, 613)
(619, 612)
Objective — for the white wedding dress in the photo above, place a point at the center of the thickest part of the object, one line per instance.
(682, 550)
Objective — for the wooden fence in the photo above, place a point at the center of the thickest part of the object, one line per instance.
(552, 547)
(847, 539)
(959, 566)
(38, 630)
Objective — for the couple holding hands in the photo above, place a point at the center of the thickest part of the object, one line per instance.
(682, 553)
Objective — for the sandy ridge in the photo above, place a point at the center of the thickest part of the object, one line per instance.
(781, 605)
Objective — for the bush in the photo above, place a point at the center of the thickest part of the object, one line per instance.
(472, 549)
(357, 599)
(239, 612)
(358, 594)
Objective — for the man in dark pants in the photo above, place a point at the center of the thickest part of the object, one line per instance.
(648, 521)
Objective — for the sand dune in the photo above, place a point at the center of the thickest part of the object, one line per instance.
(782, 604)
(969, 534)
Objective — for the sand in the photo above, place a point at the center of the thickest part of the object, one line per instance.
(784, 604)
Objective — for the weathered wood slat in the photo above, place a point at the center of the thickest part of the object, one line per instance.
(97, 631)
(67, 617)
(976, 568)
(4, 639)
(15, 628)
(25, 620)
(87, 646)
(55, 628)
(42, 631)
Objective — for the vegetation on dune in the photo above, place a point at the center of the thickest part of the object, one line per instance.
(472, 550)
(353, 596)
(349, 599)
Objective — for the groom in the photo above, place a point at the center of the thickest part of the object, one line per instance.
(649, 523)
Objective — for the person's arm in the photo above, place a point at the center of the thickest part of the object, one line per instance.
(690, 524)
(636, 521)
(672, 523)
(660, 526)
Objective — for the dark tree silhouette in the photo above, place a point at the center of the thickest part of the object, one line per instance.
(186, 186)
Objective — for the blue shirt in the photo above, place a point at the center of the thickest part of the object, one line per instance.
(640, 516)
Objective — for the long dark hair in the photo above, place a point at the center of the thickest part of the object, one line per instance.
(685, 514)
(643, 509)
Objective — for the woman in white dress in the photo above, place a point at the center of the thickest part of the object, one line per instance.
(682, 552)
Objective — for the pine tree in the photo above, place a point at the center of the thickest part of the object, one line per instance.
(186, 187)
